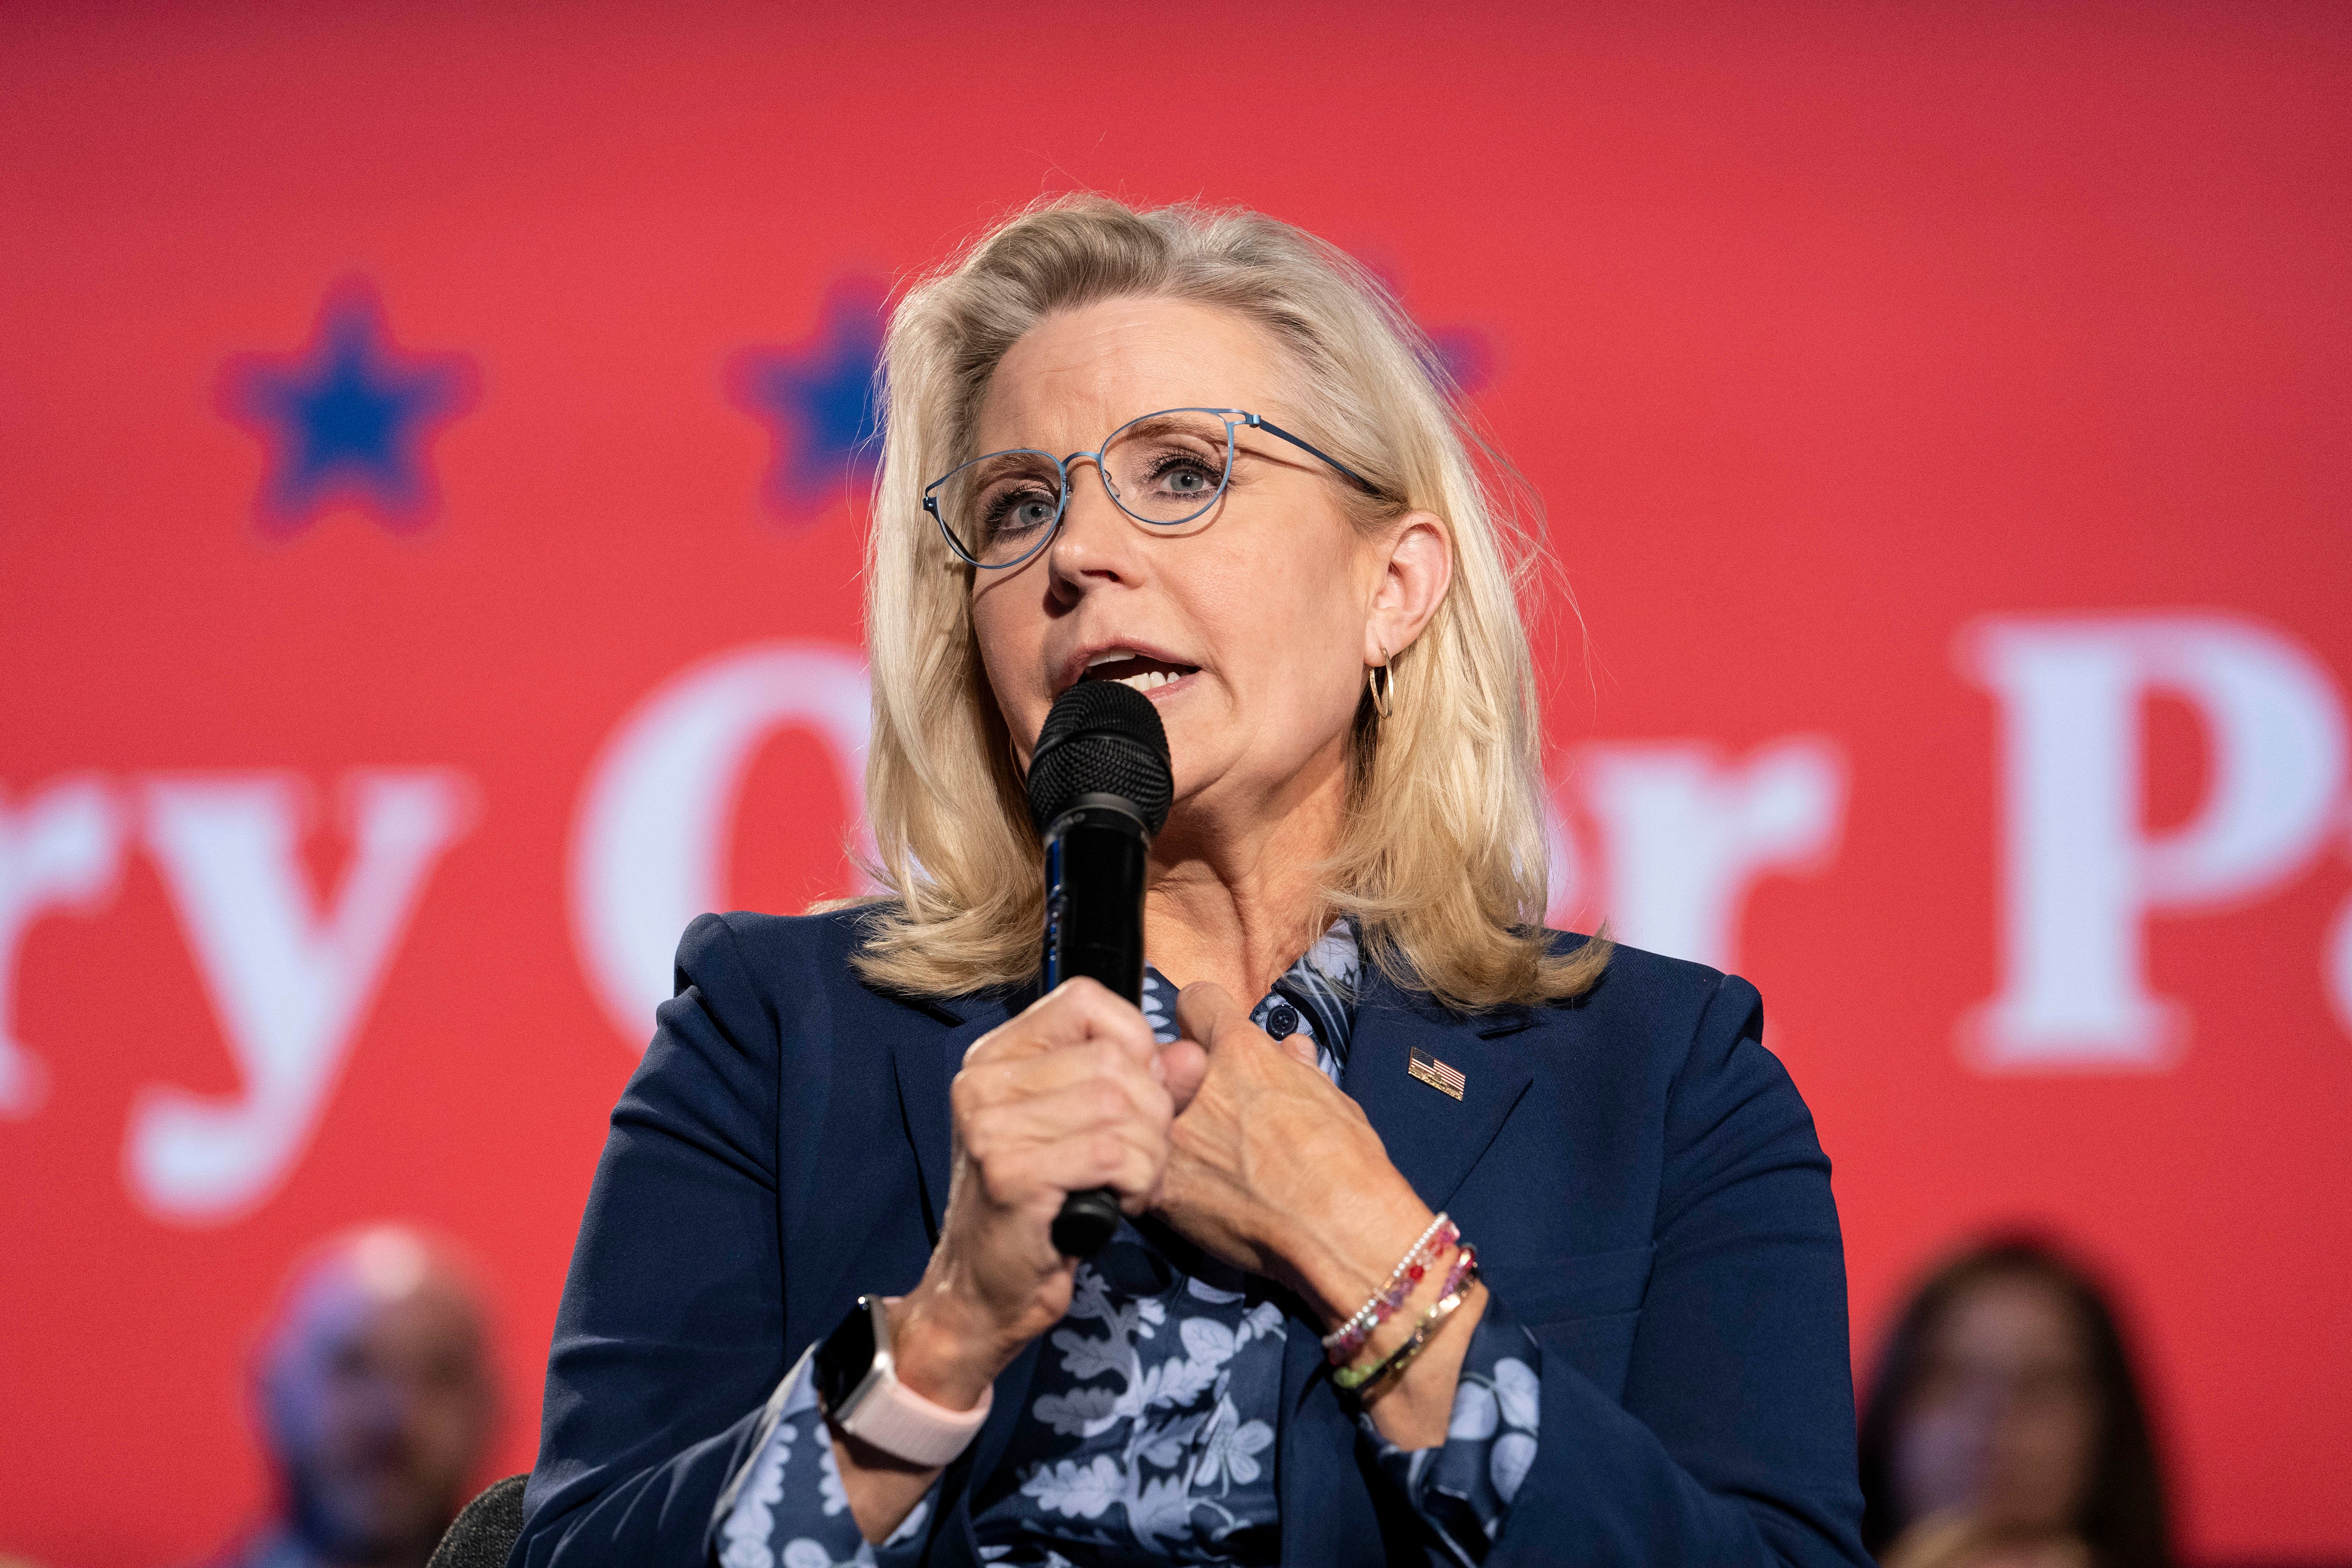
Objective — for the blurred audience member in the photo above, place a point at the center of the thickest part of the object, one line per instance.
(374, 1391)
(2005, 1429)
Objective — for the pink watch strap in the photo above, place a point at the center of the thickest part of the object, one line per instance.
(901, 1422)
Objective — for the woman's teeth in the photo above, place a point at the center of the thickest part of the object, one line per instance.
(1136, 672)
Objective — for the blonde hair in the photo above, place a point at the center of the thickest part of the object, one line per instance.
(1442, 860)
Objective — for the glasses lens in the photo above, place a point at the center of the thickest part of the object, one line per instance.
(1001, 507)
(1169, 467)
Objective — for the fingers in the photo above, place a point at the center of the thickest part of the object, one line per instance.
(1091, 1133)
(1004, 1077)
(1076, 1010)
(1207, 1012)
(1182, 1065)
(1069, 1095)
(1079, 1033)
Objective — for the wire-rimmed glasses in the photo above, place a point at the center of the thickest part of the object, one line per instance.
(1164, 468)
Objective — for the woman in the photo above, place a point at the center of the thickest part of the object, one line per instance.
(2006, 1429)
(815, 1315)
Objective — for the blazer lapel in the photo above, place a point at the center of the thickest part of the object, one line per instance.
(1433, 1138)
(925, 1064)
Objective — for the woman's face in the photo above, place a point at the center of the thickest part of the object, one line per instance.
(1251, 628)
(2003, 1425)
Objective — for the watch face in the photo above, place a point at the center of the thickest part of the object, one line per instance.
(845, 1357)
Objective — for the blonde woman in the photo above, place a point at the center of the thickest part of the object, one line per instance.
(1448, 1237)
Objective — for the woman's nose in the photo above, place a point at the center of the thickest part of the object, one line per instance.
(1097, 541)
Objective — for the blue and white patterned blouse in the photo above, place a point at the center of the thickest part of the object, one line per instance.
(1151, 1437)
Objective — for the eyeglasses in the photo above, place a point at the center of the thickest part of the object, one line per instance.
(1165, 469)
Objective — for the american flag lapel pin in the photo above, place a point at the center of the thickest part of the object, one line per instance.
(1435, 1073)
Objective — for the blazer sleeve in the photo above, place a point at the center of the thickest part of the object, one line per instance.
(1735, 1442)
(669, 1339)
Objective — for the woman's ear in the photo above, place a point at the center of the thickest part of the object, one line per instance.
(1413, 583)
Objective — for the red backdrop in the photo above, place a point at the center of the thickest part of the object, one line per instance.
(425, 441)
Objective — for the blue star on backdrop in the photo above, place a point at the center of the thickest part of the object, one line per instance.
(1460, 357)
(345, 417)
(816, 397)
(1465, 357)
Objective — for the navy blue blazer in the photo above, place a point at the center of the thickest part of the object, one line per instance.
(1639, 1175)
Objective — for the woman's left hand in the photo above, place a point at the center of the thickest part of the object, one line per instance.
(1272, 1168)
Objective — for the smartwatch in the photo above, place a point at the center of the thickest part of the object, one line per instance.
(858, 1390)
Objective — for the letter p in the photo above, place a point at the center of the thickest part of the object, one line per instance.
(2080, 873)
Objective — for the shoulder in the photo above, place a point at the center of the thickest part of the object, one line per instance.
(769, 947)
(1698, 1035)
(1668, 1002)
(794, 972)
(1687, 1038)
(767, 1013)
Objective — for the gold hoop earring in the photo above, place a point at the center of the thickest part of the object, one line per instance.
(1380, 679)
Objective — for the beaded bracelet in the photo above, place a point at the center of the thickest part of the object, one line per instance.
(1344, 1344)
(1463, 1274)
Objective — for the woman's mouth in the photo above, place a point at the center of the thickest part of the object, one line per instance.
(1144, 675)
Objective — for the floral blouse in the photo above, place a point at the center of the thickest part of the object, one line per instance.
(1150, 1435)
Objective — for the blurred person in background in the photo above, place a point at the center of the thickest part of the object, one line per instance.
(372, 1389)
(2005, 1429)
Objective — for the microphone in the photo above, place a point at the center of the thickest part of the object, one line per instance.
(1100, 788)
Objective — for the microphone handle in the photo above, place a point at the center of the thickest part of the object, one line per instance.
(1094, 862)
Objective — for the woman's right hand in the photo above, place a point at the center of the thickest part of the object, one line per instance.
(1070, 1095)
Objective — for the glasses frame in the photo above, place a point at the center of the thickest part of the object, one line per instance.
(1235, 419)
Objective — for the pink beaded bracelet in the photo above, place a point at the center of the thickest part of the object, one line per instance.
(1344, 1344)
(1464, 1273)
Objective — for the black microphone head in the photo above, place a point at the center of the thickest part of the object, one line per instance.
(1101, 738)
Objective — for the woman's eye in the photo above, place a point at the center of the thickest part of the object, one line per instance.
(1183, 473)
(1019, 511)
